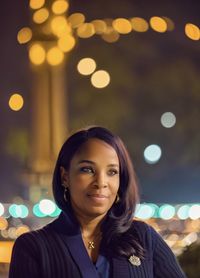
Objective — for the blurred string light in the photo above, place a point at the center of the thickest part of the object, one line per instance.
(60, 7)
(66, 43)
(192, 31)
(16, 102)
(48, 208)
(60, 26)
(36, 4)
(54, 56)
(170, 23)
(158, 24)
(1, 209)
(100, 79)
(122, 25)
(194, 212)
(166, 211)
(24, 35)
(37, 54)
(45, 208)
(76, 19)
(86, 66)
(110, 35)
(18, 211)
(146, 211)
(40, 16)
(85, 30)
(168, 119)
(99, 26)
(152, 154)
(3, 223)
(139, 24)
(21, 230)
(183, 212)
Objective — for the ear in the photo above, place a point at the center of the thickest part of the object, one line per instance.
(64, 176)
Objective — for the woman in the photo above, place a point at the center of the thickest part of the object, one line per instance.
(95, 236)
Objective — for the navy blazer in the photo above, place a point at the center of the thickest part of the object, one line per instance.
(58, 251)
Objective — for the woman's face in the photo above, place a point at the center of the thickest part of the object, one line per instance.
(93, 178)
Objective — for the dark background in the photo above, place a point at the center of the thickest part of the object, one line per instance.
(151, 73)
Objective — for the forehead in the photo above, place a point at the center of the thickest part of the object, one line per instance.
(96, 149)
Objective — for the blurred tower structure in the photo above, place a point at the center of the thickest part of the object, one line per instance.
(49, 99)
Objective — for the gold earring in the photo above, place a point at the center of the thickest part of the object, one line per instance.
(117, 199)
(66, 193)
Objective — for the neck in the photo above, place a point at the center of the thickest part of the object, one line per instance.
(90, 225)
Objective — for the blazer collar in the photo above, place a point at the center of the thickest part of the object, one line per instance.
(67, 225)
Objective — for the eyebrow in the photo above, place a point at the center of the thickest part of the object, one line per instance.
(93, 163)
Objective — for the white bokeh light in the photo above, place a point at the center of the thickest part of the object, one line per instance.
(100, 79)
(168, 119)
(1, 209)
(194, 212)
(152, 154)
(47, 206)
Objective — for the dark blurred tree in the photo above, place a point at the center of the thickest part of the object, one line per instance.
(190, 260)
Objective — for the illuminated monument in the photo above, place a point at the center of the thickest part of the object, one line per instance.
(49, 96)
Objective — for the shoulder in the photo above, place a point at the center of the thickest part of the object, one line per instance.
(146, 233)
(33, 240)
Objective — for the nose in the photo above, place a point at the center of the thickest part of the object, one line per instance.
(100, 180)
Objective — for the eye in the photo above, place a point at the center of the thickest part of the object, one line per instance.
(113, 172)
(86, 169)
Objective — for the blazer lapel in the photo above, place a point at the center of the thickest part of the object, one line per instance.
(68, 227)
(81, 257)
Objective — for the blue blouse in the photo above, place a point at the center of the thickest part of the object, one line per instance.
(102, 267)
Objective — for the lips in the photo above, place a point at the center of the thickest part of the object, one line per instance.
(100, 196)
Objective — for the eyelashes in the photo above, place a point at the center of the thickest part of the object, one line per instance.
(91, 170)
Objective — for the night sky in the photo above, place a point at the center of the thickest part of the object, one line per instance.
(151, 73)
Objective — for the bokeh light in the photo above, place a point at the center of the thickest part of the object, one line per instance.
(1, 209)
(99, 26)
(40, 16)
(3, 223)
(183, 212)
(192, 31)
(60, 7)
(37, 212)
(139, 24)
(16, 102)
(158, 24)
(47, 206)
(76, 19)
(100, 79)
(55, 56)
(168, 119)
(24, 35)
(66, 43)
(122, 25)
(110, 35)
(36, 4)
(17, 211)
(152, 154)
(60, 26)
(166, 211)
(37, 54)
(85, 30)
(21, 230)
(86, 66)
(194, 212)
(145, 211)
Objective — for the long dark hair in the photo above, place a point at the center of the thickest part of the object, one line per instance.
(116, 227)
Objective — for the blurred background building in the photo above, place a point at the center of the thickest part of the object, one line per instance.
(132, 67)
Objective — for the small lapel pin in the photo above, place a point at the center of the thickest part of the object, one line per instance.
(134, 260)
